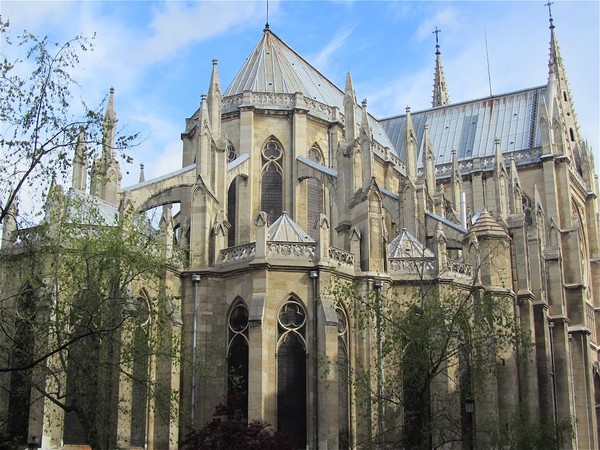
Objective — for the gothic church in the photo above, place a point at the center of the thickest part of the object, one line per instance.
(288, 184)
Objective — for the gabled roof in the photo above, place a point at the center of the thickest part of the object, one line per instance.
(471, 127)
(285, 229)
(274, 67)
(406, 245)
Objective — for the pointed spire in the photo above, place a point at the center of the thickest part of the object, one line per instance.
(558, 84)
(440, 89)
(215, 99)
(500, 181)
(364, 122)
(428, 162)
(410, 142)
(142, 176)
(350, 109)
(516, 190)
(456, 182)
(80, 161)
(110, 120)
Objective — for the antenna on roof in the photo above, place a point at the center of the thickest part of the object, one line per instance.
(487, 57)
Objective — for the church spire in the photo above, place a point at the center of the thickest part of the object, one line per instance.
(440, 90)
(350, 110)
(558, 85)
(80, 162)
(110, 120)
(215, 99)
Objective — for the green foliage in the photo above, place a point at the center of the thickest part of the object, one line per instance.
(437, 344)
(39, 118)
(523, 434)
(102, 312)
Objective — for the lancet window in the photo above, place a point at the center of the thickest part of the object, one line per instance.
(237, 355)
(140, 365)
(291, 371)
(271, 199)
(231, 198)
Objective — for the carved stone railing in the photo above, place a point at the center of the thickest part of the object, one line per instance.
(521, 157)
(291, 249)
(413, 266)
(244, 252)
(341, 257)
(460, 268)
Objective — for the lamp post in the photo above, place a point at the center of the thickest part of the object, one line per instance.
(469, 409)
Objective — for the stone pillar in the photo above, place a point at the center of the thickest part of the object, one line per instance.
(246, 205)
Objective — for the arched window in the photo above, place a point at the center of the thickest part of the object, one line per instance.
(231, 198)
(237, 356)
(314, 196)
(271, 197)
(343, 381)
(291, 372)
(140, 373)
(20, 380)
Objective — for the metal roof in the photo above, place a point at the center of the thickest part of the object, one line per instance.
(273, 67)
(285, 229)
(471, 127)
(86, 209)
(405, 245)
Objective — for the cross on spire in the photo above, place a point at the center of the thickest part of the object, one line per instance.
(549, 4)
(437, 31)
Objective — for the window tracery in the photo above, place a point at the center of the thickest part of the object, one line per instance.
(272, 180)
(291, 371)
(237, 354)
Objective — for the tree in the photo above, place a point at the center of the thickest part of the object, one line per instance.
(89, 311)
(229, 430)
(40, 124)
(435, 353)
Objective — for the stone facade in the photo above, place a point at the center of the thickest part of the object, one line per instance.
(288, 186)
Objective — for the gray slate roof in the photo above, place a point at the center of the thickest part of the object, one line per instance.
(274, 67)
(471, 127)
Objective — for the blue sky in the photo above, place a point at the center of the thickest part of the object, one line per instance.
(157, 55)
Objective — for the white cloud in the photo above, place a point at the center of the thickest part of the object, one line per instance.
(321, 60)
(180, 24)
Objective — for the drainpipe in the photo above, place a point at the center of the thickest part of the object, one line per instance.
(196, 281)
(314, 276)
(377, 285)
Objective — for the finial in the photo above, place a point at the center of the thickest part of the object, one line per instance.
(267, 23)
(407, 109)
(142, 176)
(437, 31)
(549, 4)
(203, 97)
(214, 61)
(364, 103)
(112, 90)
